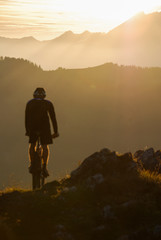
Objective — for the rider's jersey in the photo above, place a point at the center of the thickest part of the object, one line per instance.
(37, 116)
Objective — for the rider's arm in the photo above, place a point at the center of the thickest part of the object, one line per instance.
(27, 119)
(53, 117)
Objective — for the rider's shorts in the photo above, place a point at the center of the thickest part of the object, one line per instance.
(45, 138)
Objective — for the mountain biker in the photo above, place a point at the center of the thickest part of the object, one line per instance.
(37, 113)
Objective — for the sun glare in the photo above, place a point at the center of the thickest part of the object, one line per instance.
(53, 17)
(103, 11)
(104, 7)
(99, 9)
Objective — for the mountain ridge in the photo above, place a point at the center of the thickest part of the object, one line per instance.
(134, 42)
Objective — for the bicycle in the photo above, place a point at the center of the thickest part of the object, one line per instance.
(38, 176)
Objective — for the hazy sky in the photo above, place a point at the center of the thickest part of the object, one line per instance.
(46, 19)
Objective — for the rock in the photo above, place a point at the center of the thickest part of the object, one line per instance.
(86, 165)
(148, 154)
(125, 160)
(70, 189)
(104, 153)
(107, 162)
(158, 155)
(138, 153)
(107, 212)
(112, 157)
(98, 178)
(126, 163)
(126, 157)
(150, 164)
(61, 233)
(93, 164)
(50, 187)
(94, 180)
(158, 158)
(147, 159)
(129, 203)
(157, 231)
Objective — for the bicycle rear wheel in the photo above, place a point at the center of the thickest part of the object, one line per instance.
(35, 181)
(36, 171)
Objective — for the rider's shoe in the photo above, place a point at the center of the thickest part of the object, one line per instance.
(45, 171)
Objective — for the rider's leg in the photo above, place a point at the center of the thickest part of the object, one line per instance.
(32, 147)
(31, 151)
(45, 154)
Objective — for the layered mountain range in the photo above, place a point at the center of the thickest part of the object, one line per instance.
(135, 42)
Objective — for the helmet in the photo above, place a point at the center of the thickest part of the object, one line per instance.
(39, 92)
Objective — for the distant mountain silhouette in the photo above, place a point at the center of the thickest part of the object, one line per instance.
(135, 42)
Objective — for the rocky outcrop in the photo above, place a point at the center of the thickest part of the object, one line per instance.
(148, 159)
(98, 165)
(107, 197)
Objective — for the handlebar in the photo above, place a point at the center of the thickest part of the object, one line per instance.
(55, 135)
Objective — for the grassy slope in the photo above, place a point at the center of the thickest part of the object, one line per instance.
(70, 210)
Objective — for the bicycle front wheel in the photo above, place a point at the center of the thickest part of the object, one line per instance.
(42, 181)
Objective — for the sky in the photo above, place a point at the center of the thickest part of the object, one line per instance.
(47, 19)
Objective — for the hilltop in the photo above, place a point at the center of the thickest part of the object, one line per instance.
(109, 196)
(134, 42)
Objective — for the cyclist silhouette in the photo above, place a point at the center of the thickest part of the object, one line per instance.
(37, 113)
